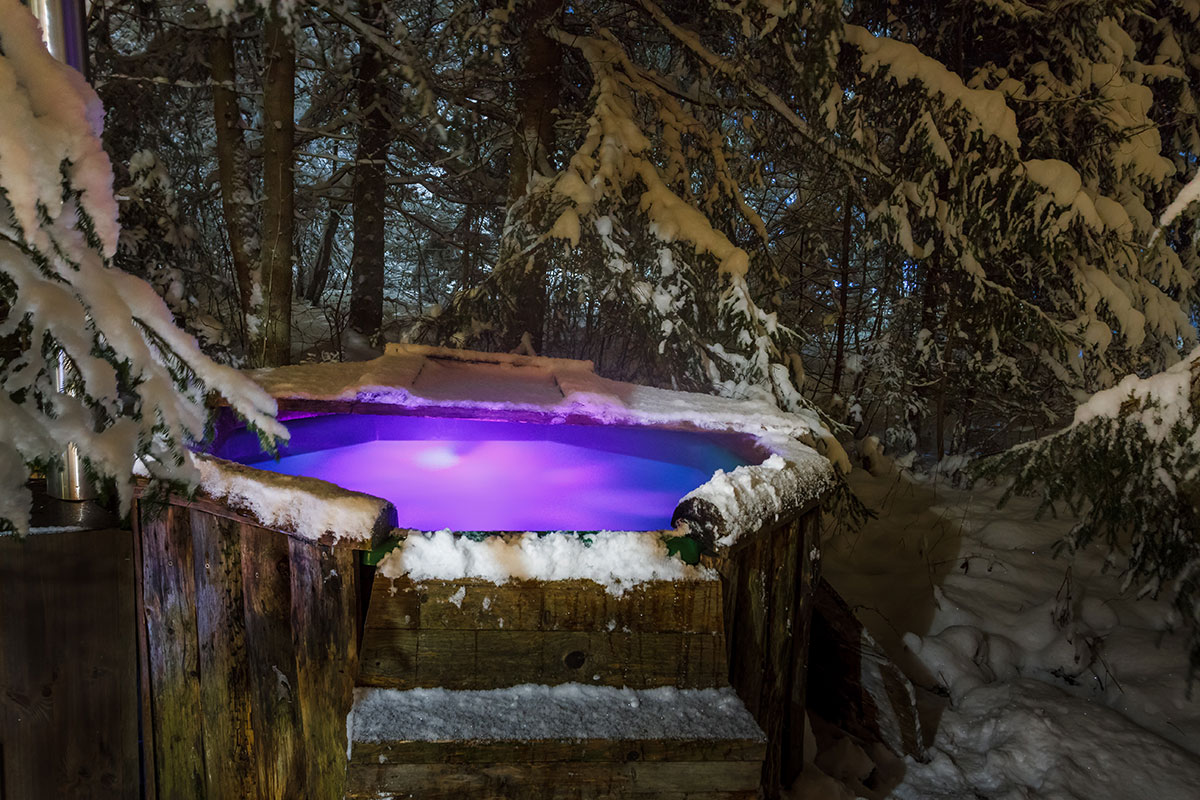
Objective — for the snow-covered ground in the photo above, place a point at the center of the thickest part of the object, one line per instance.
(1045, 680)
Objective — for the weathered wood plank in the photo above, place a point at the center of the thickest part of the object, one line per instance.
(539, 750)
(393, 604)
(325, 639)
(68, 705)
(389, 658)
(484, 659)
(275, 709)
(781, 648)
(478, 605)
(749, 625)
(573, 605)
(145, 705)
(809, 559)
(553, 780)
(224, 679)
(768, 580)
(170, 613)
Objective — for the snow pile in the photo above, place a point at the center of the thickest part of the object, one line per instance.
(1056, 684)
(308, 508)
(567, 711)
(417, 376)
(1029, 739)
(617, 560)
(141, 382)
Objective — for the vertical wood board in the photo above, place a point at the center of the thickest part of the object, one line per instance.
(68, 690)
(274, 705)
(225, 691)
(170, 614)
(324, 636)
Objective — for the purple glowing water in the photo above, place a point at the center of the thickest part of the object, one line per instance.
(476, 475)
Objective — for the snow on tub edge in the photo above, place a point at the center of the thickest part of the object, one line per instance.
(306, 508)
(731, 504)
(617, 560)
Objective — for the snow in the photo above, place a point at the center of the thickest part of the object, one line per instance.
(904, 63)
(617, 560)
(753, 496)
(305, 507)
(1170, 390)
(1056, 684)
(416, 376)
(1058, 177)
(568, 711)
(1188, 195)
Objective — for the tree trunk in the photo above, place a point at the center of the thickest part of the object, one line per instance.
(233, 166)
(949, 322)
(839, 355)
(273, 346)
(538, 97)
(370, 186)
(320, 276)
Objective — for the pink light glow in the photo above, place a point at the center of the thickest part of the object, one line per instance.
(473, 475)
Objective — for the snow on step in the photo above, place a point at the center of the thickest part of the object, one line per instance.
(569, 711)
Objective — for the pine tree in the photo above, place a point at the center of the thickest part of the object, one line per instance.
(1129, 468)
(140, 383)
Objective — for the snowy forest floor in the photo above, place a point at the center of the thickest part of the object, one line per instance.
(1042, 679)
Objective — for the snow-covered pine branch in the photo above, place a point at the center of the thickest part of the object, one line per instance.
(141, 382)
(1129, 467)
(627, 219)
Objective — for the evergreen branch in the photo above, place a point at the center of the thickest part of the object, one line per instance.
(867, 166)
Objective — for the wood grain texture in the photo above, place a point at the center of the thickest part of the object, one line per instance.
(571, 605)
(486, 659)
(225, 691)
(768, 581)
(555, 780)
(170, 614)
(145, 706)
(539, 750)
(324, 626)
(781, 653)
(68, 689)
(271, 659)
(252, 645)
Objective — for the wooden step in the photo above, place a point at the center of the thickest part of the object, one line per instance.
(472, 634)
(547, 743)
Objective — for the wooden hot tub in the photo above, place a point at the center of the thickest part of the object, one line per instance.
(304, 640)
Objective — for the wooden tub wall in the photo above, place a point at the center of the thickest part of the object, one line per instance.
(768, 580)
(251, 639)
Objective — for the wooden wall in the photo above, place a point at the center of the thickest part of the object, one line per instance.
(250, 639)
(768, 586)
(68, 674)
